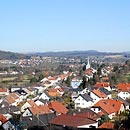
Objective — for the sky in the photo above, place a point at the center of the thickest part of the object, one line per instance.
(64, 25)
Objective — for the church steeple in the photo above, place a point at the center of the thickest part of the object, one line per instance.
(88, 64)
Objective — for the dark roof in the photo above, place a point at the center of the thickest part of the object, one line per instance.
(41, 120)
(124, 101)
(10, 109)
(42, 100)
(20, 91)
(70, 120)
(91, 88)
(4, 103)
(86, 97)
(105, 91)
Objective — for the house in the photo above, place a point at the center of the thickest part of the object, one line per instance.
(83, 101)
(74, 121)
(4, 103)
(105, 85)
(29, 103)
(108, 93)
(37, 120)
(75, 93)
(123, 90)
(124, 95)
(57, 107)
(6, 125)
(106, 70)
(36, 110)
(4, 91)
(53, 80)
(49, 81)
(86, 112)
(94, 94)
(53, 92)
(10, 110)
(115, 107)
(44, 96)
(124, 87)
(89, 73)
(127, 105)
(98, 95)
(75, 82)
(13, 99)
(40, 102)
(31, 90)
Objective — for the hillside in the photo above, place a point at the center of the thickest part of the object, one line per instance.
(11, 55)
(75, 53)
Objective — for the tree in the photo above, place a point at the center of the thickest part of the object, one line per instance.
(40, 77)
(104, 118)
(84, 67)
(81, 72)
(33, 80)
(99, 71)
(84, 82)
(68, 81)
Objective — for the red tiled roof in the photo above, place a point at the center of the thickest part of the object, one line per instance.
(70, 120)
(89, 71)
(99, 94)
(107, 125)
(58, 107)
(2, 118)
(102, 84)
(109, 105)
(90, 115)
(32, 103)
(125, 87)
(12, 97)
(42, 109)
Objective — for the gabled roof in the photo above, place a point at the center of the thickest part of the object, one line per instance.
(105, 91)
(86, 97)
(87, 113)
(70, 120)
(125, 87)
(4, 103)
(32, 103)
(107, 125)
(12, 97)
(102, 84)
(124, 101)
(39, 120)
(42, 109)
(9, 109)
(89, 72)
(109, 105)
(99, 93)
(58, 107)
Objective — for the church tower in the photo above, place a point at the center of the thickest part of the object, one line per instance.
(88, 64)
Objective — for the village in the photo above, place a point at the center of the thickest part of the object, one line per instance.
(85, 98)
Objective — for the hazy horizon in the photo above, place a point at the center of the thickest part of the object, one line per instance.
(64, 25)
